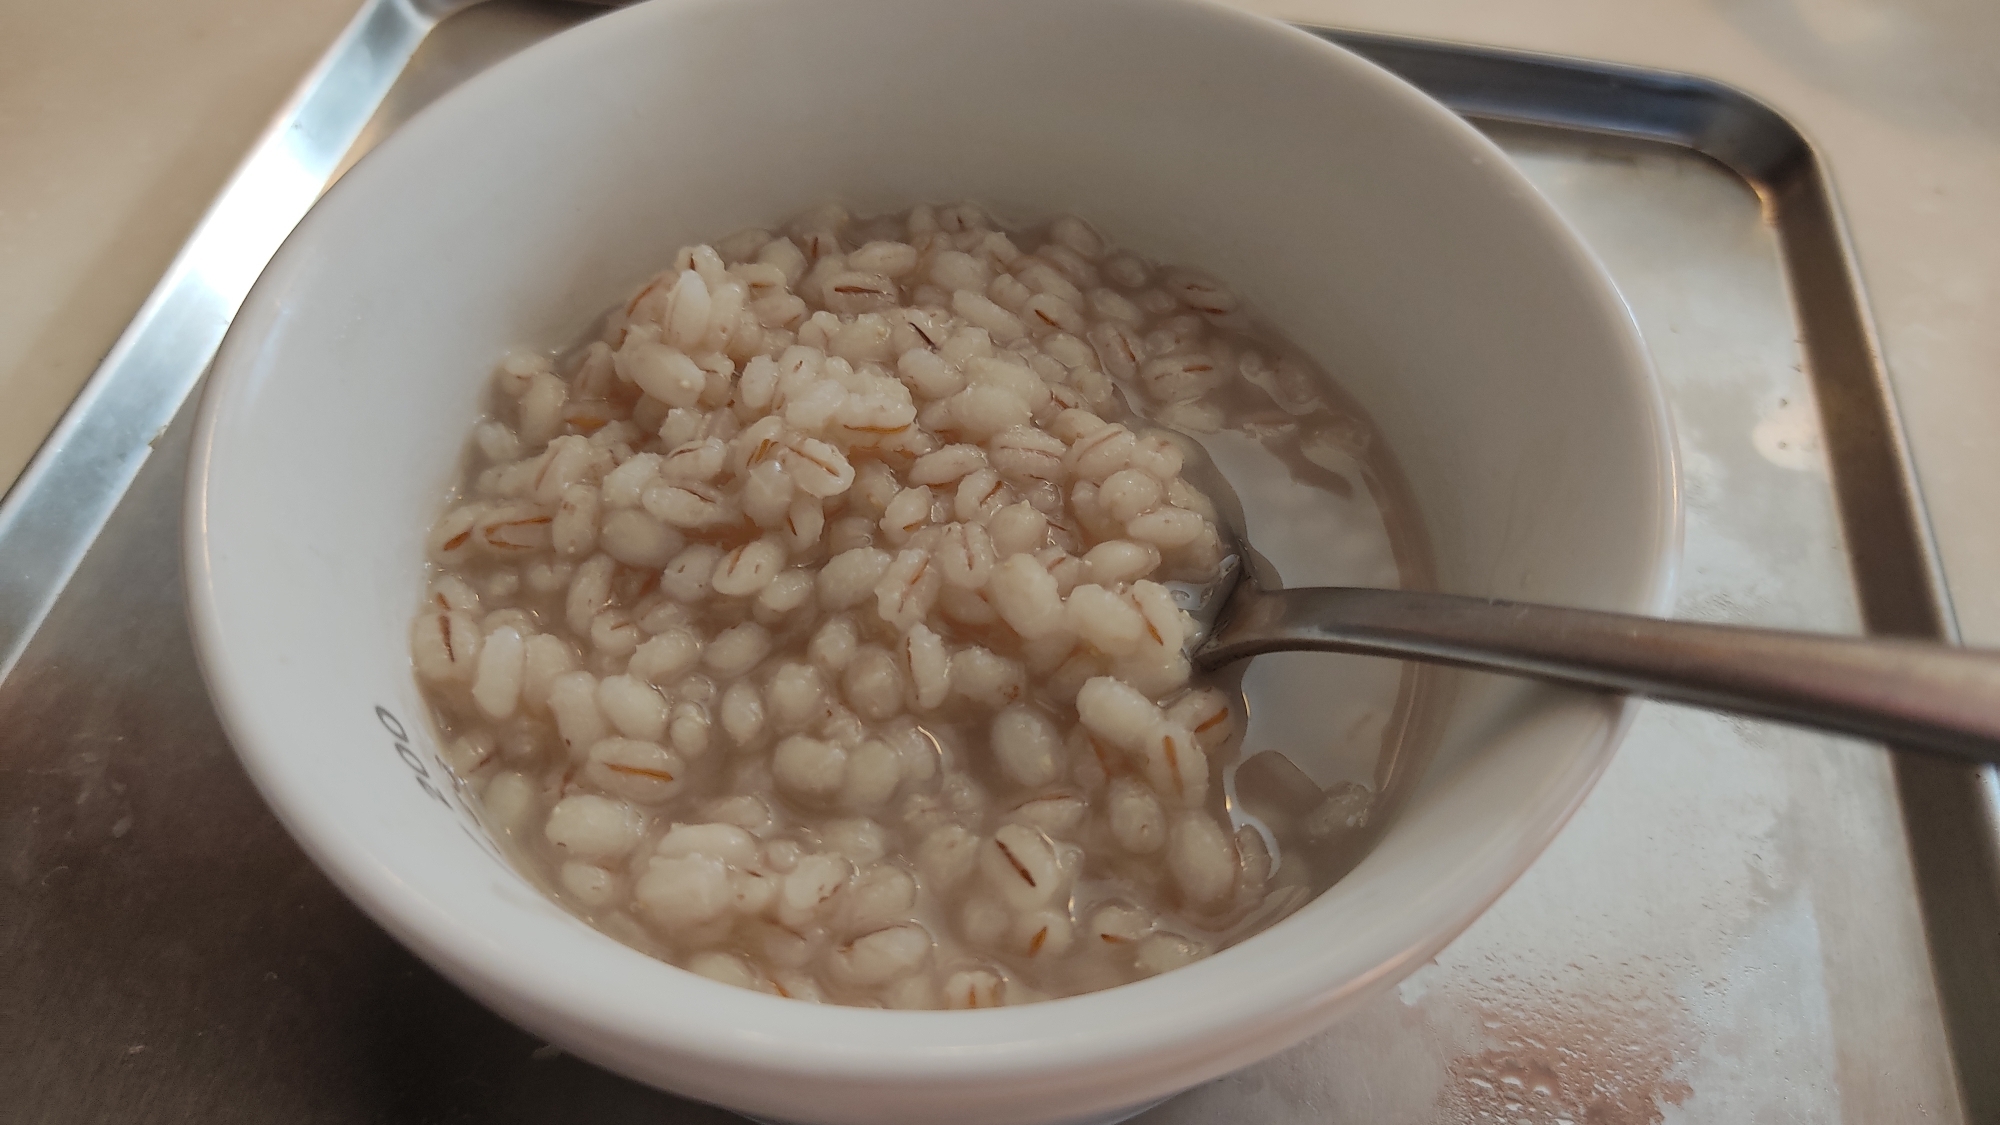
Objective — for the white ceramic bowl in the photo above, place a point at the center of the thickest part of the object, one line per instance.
(1372, 226)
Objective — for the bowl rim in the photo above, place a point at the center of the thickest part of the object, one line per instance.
(855, 1044)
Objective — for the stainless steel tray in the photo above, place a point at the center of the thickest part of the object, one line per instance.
(1744, 922)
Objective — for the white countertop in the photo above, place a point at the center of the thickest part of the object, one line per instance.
(119, 120)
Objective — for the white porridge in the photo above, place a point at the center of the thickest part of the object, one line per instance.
(809, 629)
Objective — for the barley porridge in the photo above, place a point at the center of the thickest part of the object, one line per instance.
(810, 628)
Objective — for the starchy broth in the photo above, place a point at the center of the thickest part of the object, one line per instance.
(812, 626)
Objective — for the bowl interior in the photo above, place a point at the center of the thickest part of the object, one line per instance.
(1373, 228)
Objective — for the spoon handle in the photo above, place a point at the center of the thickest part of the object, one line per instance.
(1908, 693)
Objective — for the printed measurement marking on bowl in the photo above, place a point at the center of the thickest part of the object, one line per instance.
(468, 820)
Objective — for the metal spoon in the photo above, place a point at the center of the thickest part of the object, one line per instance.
(1911, 694)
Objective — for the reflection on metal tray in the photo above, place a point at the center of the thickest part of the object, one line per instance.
(1733, 928)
